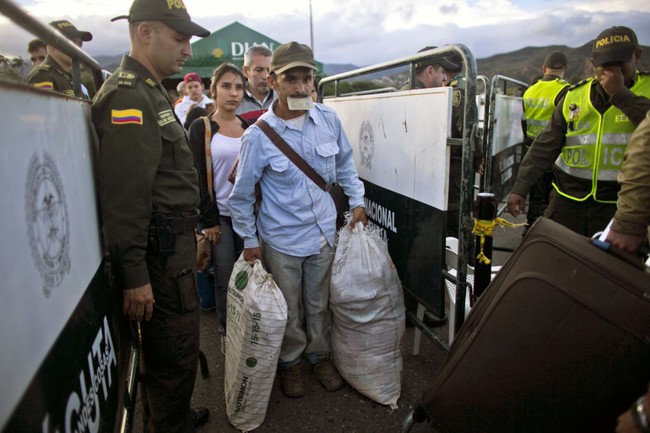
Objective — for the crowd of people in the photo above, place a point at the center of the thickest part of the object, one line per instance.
(165, 169)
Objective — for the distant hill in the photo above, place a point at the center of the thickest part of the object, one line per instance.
(338, 68)
(109, 63)
(522, 65)
(527, 62)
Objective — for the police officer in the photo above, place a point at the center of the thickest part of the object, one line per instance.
(539, 102)
(149, 193)
(453, 67)
(429, 73)
(54, 73)
(37, 51)
(587, 136)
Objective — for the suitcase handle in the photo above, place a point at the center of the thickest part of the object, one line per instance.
(635, 261)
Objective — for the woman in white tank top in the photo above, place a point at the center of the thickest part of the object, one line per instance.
(226, 129)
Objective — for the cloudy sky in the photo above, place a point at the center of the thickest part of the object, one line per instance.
(364, 32)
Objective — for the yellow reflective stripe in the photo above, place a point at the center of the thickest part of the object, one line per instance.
(581, 140)
(582, 173)
(536, 122)
(586, 173)
(608, 175)
(591, 194)
(570, 197)
(621, 138)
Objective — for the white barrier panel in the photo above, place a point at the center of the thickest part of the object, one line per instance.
(400, 140)
(50, 238)
(508, 112)
(401, 153)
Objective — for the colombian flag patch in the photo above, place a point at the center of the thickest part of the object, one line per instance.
(47, 85)
(125, 117)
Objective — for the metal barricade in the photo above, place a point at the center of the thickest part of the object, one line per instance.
(51, 37)
(429, 293)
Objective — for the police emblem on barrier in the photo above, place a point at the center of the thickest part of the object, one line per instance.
(366, 144)
(48, 224)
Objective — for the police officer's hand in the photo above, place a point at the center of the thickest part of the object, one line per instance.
(138, 303)
(625, 423)
(611, 79)
(252, 254)
(213, 234)
(625, 241)
(516, 204)
(358, 215)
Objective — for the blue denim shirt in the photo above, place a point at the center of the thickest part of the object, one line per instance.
(294, 212)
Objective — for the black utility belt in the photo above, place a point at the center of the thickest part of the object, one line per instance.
(164, 228)
(183, 224)
(176, 224)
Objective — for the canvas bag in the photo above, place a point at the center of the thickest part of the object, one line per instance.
(368, 315)
(257, 316)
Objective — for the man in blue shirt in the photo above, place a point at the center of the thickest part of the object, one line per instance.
(296, 219)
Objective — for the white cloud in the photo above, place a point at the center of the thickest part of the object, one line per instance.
(355, 31)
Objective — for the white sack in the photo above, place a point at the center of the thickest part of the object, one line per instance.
(368, 315)
(257, 316)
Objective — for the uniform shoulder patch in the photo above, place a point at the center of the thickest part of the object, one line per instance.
(458, 82)
(456, 98)
(165, 117)
(126, 79)
(126, 117)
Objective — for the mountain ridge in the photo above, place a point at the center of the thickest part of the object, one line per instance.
(522, 64)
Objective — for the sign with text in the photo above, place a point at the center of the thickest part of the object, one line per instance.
(401, 153)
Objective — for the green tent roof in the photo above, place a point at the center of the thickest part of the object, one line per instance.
(227, 44)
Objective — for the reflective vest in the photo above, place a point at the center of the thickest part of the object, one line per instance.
(539, 104)
(595, 143)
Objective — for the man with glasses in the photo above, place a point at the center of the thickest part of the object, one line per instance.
(55, 72)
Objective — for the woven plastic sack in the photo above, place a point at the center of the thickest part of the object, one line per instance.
(368, 315)
(257, 316)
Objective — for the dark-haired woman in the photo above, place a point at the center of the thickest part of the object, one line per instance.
(227, 90)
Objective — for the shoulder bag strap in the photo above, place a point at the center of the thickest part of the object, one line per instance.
(292, 154)
(208, 156)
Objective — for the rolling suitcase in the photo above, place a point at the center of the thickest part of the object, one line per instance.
(559, 342)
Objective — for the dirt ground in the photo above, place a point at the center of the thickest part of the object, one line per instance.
(343, 411)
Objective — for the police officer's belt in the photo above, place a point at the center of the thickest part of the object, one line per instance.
(182, 224)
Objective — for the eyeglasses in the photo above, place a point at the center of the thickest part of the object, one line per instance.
(37, 59)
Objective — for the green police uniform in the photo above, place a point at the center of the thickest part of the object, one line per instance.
(49, 75)
(595, 142)
(539, 102)
(587, 216)
(148, 181)
(457, 83)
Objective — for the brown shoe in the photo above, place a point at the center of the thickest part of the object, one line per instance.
(291, 382)
(327, 375)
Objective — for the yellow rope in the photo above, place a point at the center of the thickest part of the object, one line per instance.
(485, 228)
